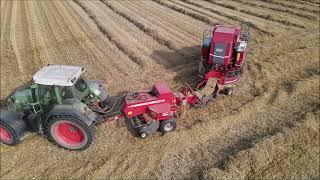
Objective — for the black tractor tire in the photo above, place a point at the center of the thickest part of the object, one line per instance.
(12, 129)
(168, 125)
(70, 133)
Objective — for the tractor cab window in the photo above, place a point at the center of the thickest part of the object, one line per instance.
(81, 85)
(45, 94)
(66, 92)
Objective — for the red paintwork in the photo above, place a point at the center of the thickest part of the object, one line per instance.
(4, 135)
(230, 36)
(160, 111)
(145, 102)
(68, 134)
(163, 104)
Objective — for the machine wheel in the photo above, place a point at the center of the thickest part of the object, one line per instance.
(143, 135)
(12, 129)
(70, 133)
(228, 91)
(168, 125)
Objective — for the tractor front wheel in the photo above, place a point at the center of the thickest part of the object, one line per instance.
(12, 129)
(168, 125)
(70, 133)
(7, 136)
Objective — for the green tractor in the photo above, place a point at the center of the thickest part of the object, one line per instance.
(59, 104)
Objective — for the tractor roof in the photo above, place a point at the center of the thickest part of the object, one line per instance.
(61, 75)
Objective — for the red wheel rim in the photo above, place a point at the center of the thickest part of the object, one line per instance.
(68, 134)
(4, 135)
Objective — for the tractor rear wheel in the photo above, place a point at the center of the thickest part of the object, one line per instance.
(70, 133)
(168, 125)
(12, 129)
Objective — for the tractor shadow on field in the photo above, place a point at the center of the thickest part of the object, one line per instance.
(184, 62)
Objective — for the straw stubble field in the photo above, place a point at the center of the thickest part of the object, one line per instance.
(269, 128)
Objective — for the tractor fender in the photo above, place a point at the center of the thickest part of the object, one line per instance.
(77, 110)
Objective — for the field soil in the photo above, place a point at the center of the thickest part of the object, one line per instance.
(268, 129)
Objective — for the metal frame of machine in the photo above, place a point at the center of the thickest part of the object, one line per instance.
(64, 107)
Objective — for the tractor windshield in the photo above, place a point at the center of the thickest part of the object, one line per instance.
(81, 85)
(81, 89)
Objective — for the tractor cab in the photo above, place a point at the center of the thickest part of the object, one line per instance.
(55, 84)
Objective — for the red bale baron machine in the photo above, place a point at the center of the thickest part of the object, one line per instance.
(62, 106)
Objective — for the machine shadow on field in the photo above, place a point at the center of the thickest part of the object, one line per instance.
(184, 62)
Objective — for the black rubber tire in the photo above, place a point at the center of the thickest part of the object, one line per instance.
(89, 132)
(228, 91)
(165, 123)
(14, 126)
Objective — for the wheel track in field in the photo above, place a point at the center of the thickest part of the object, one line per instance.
(109, 36)
(122, 30)
(186, 12)
(308, 1)
(34, 40)
(268, 17)
(40, 40)
(8, 58)
(62, 33)
(25, 43)
(288, 11)
(130, 68)
(177, 8)
(6, 16)
(122, 157)
(217, 150)
(14, 39)
(254, 18)
(52, 47)
(271, 18)
(291, 6)
(98, 51)
(172, 29)
(181, 23)
(181, 32)
(149, 31)
(177, 3)
(141, 44)
(73, 39)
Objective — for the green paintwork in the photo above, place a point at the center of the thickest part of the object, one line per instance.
(42, 98)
